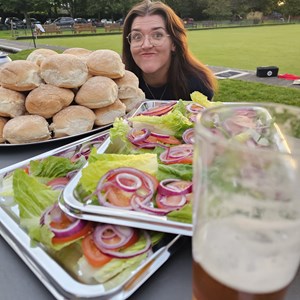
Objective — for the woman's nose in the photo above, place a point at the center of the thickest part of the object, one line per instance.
(147, 42)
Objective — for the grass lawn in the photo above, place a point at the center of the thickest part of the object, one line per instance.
(243, 47)
(249, 47)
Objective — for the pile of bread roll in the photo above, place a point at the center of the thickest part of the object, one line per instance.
(52, 95)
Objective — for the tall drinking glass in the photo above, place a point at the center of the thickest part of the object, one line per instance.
(246, 216)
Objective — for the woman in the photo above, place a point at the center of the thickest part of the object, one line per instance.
(155, 48)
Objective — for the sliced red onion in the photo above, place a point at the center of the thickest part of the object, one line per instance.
(176, 153)
(188, 136)
(54, 214)
(102, 242)
(146, 184)
(168, 201)
(168, 187)
(125, 234)
(160, 110)
(159, 135)
(128, 182)
(68, 153)
(138, 135)
(194, 107)
(193, 117)
(147, 207)
(118, 254)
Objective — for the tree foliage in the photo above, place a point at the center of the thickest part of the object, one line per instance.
(198, 9)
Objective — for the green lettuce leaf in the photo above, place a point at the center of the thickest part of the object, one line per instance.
(183, 215)
(54, 167)
(178, 171)
(33, 198)
(173, 123)
(105, 162)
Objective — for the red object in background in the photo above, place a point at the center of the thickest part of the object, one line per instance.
(288, 76)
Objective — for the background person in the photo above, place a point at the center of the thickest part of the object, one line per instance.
(155, 48)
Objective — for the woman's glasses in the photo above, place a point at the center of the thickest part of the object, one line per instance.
(156, 38)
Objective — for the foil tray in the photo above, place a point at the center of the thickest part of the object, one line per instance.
(60, 283)
(69, 203)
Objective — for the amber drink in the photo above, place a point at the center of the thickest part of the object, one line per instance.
(246, 204)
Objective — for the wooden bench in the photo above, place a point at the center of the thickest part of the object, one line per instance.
(77, 28)
(113, 27)
(48, 28)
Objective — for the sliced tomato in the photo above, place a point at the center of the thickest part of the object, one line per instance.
(184, 160)
(93, 255)
(81, 233)
(62, 223)
(118, 197)
(165, 140)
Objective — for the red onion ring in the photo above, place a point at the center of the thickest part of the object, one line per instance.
(176, 153)
(168, 188)
(143, 206)
(164, 136)
(160, 110)
(148, 184)
(125, 234)
(188, 136)
(102, 241)
(138, 135)
(166, 201)
(54, 213)
(135, 181)
(194, 107)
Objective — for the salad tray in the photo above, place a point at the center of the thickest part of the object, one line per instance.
(50, 270)
(69, 202)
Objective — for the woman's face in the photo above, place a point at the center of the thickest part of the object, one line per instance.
(151, 59)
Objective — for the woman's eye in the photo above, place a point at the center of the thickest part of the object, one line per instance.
(136, 37)
(157, 35)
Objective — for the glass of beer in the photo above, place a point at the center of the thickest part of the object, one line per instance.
(246, 203)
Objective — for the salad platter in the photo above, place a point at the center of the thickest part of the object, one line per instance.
(60, 261)
(64, 138)
(171, 121)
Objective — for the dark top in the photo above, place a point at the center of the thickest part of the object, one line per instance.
(165, 93)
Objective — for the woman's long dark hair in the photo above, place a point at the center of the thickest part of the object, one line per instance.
(183, 61)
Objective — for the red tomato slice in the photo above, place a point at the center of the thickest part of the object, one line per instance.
(184, 160)
(93, 255)
(169, 140)
(118, 197)
(81, 233)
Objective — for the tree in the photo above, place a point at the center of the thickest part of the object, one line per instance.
(290, 8)
(24, 6)
(218, 9)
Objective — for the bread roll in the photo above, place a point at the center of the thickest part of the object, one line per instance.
(2, 123)
(38, 55)
(47, 99)
(26, 129)
(64, 70)
(134, 102)
(20, 75)
(128, 85)
(12, 103)
(106, 63)
(81, 53)
(97, 92)
(107, 115)
(72, 120)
